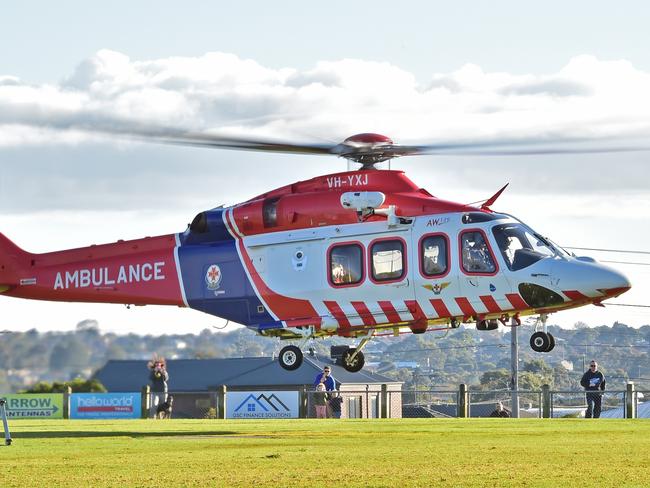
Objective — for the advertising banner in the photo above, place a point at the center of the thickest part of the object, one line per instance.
(34, 405)
(105, 405)
(262, 405)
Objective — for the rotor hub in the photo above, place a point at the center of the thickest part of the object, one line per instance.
(367, 149)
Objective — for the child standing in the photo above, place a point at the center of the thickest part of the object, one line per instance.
(320, 401)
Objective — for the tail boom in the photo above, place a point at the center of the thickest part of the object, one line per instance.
(139, 272)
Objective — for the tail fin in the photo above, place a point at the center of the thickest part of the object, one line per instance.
(12, 260)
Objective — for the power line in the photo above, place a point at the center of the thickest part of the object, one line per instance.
(626, 262)
(627, 305)
(607, 250)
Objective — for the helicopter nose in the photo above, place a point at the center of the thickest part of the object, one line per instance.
(582, 278)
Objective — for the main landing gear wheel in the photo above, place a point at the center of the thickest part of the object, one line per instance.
(353, 365)
(290, 357)
(551, 341)
(542, 342)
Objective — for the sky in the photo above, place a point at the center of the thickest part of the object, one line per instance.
(416, 71)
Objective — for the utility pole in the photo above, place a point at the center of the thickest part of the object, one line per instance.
(514, 367)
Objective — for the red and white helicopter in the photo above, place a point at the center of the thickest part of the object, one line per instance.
(356, 254)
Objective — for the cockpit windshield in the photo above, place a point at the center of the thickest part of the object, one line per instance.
(521, 247)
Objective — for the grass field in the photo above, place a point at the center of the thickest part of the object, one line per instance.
(408, 452)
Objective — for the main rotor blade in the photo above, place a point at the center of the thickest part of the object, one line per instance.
(522, 147)
(198, 139)
(367, 153)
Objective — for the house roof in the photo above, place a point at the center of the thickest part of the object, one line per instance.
(207, 374)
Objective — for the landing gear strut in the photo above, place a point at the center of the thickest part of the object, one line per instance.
(542, 341)
(353, 359)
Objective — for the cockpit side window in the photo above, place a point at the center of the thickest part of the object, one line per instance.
(346, 265)
(519, 246)
(476, 254)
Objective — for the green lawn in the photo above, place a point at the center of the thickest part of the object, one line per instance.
(332, 453)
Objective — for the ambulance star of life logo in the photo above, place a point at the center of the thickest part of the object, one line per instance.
(438, 287)
(213, 277)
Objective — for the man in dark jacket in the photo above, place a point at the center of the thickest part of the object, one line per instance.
(593, 381)
(159, 378)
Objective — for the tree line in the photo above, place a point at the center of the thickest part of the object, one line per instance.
(423, 361)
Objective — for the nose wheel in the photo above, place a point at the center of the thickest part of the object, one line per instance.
(542, 342)
(353, 360)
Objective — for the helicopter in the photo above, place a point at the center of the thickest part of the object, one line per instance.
(357, 254)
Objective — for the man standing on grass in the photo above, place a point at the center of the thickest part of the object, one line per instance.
(593, 381)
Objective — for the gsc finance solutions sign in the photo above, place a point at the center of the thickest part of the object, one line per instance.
(34, 406)
(105, 405)
(262, 405)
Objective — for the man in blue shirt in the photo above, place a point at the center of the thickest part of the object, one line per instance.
(326, 378)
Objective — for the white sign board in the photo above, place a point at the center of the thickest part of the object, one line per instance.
(262, 405)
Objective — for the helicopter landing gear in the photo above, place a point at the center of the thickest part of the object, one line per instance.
(542, 341)
(290, 357)
(487, 325)
(353, 359)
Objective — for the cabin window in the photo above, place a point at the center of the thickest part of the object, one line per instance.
(346, 264)
(476, 255)
(387, 260)
(433, 255)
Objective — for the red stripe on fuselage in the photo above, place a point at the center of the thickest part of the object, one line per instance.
(364, 313)
(415, 309)
(337, 313)
(575, 295)
(390, 312)
(490, 303)
(440, 307)
(516, 301)
(466, 307)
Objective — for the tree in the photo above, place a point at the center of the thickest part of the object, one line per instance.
(78, 385)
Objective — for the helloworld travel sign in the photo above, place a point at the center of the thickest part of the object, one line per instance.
(105, 405)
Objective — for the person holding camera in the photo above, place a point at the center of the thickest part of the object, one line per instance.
(159, 378)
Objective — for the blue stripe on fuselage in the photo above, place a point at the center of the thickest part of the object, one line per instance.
(234, 299)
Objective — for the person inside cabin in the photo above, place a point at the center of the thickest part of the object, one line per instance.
(339, 274)
(431, 266)
(476, 255)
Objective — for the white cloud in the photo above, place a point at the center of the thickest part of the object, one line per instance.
(334, 99)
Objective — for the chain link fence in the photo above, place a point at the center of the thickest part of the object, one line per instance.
(188, 405)
(346, 404)
(428, 403)
(377, 403)
(571, 403)
(498, 403)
